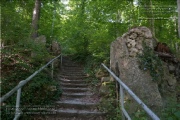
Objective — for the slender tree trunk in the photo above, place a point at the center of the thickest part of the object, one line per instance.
(35, 19)
(118, 21)
(82, 23)
(152, 20)
(178, 5)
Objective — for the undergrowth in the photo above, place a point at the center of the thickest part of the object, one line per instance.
(151, 63)
(17, 65)
(171, 112)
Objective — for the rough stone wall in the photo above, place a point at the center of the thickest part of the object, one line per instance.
(124, 63)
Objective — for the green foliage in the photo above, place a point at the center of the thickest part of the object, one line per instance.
(171, 112)
(140, 115)
(36, 92)
(15, 20)
(151, 63)
(109, 106)
(17, 65)
(109, 103)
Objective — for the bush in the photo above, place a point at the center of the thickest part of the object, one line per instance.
(152, 63)
(17, 66)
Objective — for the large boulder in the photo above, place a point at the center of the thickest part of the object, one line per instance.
(125, 64)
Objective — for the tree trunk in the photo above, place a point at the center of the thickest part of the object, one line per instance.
(178, 5)
(36, 15)
(152, 20)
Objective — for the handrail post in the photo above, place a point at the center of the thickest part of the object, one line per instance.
(122, 100)
(18, 99)
(61, 60)
(130, 92)
(22, 83)
(52, 68)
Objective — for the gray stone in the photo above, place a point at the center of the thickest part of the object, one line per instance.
(104, 90)
(171, 82)
(56, 49)
(100, 73)
(105, 79)
(133, 36)
(172, 68)
(127, 68)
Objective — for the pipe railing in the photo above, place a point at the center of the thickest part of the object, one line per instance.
(129, 91)
(24, 82)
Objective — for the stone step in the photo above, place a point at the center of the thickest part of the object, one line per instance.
(72, 71)
(57, 117)
(69, 69)
(78, 113)
(72, 85)
(73, 81)
(70, 114)
(70, 63)
(76, 95)
(73, 67)
(75, 89)
(76, 105)
(76, 72)
(70, 118)
(72, 74)
(72, 77)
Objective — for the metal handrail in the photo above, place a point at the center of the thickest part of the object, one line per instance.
(24, 82)
(124, 87)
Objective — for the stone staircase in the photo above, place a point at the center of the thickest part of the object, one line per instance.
(78, 101)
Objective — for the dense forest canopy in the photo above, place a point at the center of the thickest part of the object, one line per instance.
(87, 27)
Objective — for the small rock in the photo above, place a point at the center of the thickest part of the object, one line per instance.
(133, 52)
(56, 49)
(171, 82)
(133, 43)
(105, 79)
(129, 45)
(139, 47)
(104, 90)
(128, 40)
(133, 36)
(171, 68)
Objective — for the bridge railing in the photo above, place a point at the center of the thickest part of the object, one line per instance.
(24, 82)
(130, 92)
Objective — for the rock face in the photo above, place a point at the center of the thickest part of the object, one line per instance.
(56, 49)
(124, 63)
